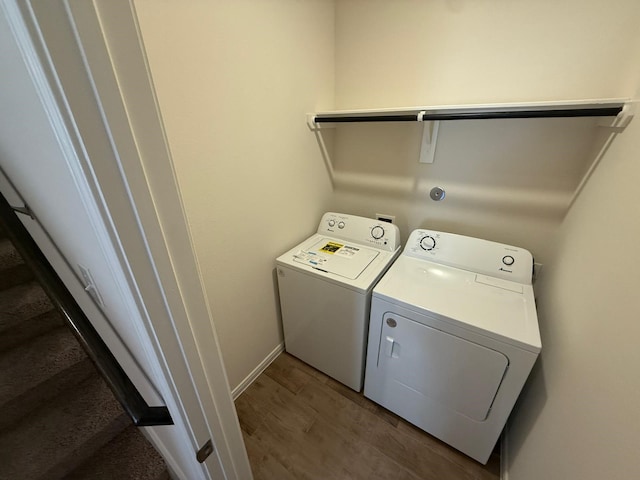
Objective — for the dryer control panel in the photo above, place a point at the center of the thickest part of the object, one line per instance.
(365, 231)
(472, 254)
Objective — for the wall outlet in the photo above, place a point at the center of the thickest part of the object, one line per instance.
(383, 217)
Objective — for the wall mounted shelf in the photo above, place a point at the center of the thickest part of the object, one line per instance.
(615, 114)
(586, 108)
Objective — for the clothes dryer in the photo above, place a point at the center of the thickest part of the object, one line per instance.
(325, 285)
(453, 336)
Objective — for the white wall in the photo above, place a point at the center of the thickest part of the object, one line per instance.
(234, 80)
(505, 180)
(508, 181)
(413, 52)
(579, 417)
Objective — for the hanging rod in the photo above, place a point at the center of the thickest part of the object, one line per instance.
(471, 112)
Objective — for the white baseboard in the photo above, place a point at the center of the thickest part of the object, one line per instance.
(257, 371)
(504, 455)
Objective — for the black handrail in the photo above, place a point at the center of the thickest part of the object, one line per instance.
(121, 385)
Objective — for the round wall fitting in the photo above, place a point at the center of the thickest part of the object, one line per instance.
(437, 194)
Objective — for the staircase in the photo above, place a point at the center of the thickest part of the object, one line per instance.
(58, 418)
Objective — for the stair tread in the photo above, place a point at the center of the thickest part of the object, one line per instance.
(13, 270)
(9, 256)
(18, 408)
(22, 302)
(129, 456)
(14, 334)
(62, 434)
(32, 363)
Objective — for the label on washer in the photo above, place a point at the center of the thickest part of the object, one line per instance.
(339, 249)
(310, 258)
(332, 256)
(331, 247)
(347, 251)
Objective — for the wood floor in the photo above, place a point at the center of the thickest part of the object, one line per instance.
(298, 424)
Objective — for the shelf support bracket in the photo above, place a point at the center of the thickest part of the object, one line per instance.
(620, 122)
(311, 122)
(429, 139)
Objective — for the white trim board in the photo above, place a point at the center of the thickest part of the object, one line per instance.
(255, 373)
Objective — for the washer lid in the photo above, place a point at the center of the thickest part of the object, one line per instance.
(335, 256)
(494, 307)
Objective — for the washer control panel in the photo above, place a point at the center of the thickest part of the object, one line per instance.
(472, 254)
(366, 231)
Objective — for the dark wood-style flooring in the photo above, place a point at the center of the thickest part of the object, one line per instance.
(298, 423)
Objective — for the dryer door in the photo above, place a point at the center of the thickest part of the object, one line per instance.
(461, 375)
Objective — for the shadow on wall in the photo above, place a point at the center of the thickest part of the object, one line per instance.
(535, 383)
(511, 164)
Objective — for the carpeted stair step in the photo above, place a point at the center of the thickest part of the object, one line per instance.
(25, 312)
(37, 371)
(57, 415)
(127, 457)
(13, 270)
(63, 434)
(15, 333)
(21, 303)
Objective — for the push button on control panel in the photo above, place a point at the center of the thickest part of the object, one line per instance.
(508, 260)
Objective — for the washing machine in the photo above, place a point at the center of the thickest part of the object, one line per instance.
(453, 336)
(325, 285)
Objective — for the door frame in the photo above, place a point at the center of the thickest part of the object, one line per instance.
(139, 204)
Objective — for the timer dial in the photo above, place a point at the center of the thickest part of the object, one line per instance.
(377, 232)
(427, 242)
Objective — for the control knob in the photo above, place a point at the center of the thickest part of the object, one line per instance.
(428, 242)
(377, 232)
(341, 225)
(508, 260)
(332, 223)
